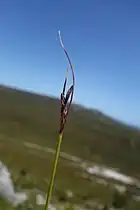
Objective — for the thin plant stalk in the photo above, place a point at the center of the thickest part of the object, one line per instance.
(66, 101)
(53, 172)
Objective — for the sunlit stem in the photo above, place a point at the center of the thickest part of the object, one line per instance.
(51, 184)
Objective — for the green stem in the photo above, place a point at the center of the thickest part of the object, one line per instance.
(49, 194)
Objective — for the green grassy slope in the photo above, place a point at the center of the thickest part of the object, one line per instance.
(89, 134)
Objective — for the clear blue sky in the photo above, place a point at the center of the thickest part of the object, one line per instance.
(103, 40)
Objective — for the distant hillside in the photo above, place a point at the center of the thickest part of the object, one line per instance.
(89, 133)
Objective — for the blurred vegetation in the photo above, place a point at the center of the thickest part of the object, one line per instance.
(89, 134)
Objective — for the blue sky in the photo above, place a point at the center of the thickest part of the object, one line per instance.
(102, 38)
